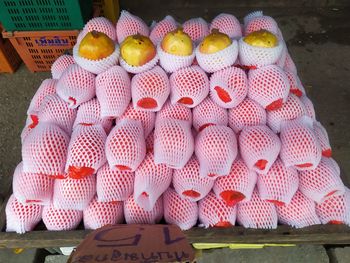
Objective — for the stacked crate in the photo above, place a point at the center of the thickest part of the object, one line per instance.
(43, 30)
(9, 59)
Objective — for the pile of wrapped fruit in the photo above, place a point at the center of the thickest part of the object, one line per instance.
(199, 124)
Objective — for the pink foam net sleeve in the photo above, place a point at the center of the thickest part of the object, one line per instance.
(129, 24)
(114, 185)
(237, 186)
(99, 214)
(173, 143)
(61, 219)
(300, 212)
(151, 181)
(74, 194)
(257, 213)
(188, 183)
(21, 218)
(216, 149)
(209, 113)
(125, 145)
(76, 86)
(45, 150)
(178, 211)
(150, 89)
(213, 212)
(134, 214)
(113, 92)
(32, 188)
(189, 86)
(228, 87)
(247, 113)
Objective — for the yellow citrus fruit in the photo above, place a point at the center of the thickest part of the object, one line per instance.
(137, 50)
(177, 43)
(96, 45)
(261, 38)
(214, 42)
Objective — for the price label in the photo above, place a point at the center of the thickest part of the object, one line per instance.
(134, 243)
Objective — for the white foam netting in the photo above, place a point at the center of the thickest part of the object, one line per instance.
(161, 28)
(99, 24)
(129, 24)
(60, 65)
(21, 218)
(139, 69)
(44, 150)
(114, 185)
(309, 106)
(96, 66)
(175, 111)
(196, 28)
(247, 113)
(228, 87)
(209, 113)
(216, 149)
(300, 146)
(259, 147)
(279, 185)
(74, 194)
(257, 57)
(89, 113)
(227, 24)
(256, 21)
(269, 86)
(47, 87)
(189, 86)
(32, 188)
(322, 136)
(178, 211)
(296, 87)
(86, 151)
(147, 118)
(218, 60)
(125, 145)
(61, 219)
(113, 90)
(322, 182)
(213, 212)
(300, 212)
(237, 186)
(292, 109)
(171, 62)
(257, 213)
(134, 214)
(335, 210)
(150, 89)
(76, 86)
(188, 184)
(55, 110)
(99, 214)
(173, 143)
(151, 180)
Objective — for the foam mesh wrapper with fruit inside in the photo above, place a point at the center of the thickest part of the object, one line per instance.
(96, 66)
(218, 60)
(171, 63)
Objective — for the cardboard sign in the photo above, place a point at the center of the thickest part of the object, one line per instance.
(134, 243)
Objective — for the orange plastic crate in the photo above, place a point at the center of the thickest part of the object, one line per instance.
(40, 49)
(9, 59)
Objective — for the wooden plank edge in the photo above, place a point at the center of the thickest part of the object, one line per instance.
(320, 234)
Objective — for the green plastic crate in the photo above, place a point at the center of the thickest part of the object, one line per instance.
(31, 15)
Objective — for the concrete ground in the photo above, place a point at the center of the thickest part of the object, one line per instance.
(319, 42)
